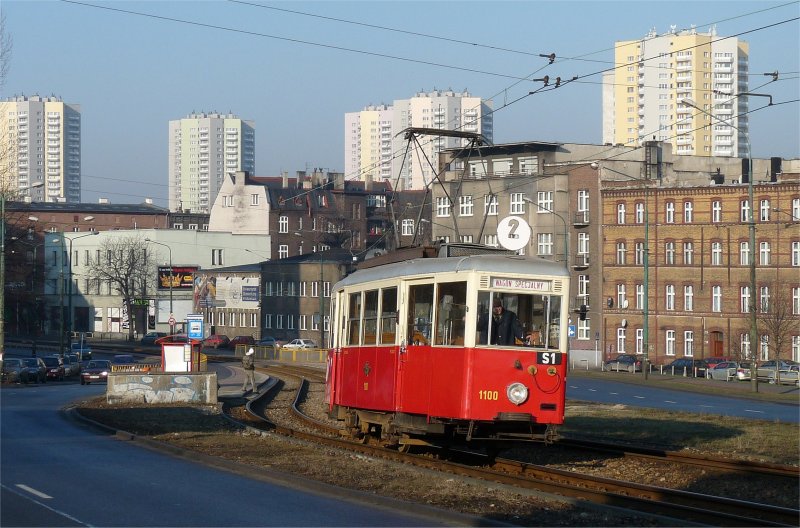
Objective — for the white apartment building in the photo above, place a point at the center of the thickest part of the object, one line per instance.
(40, 142)
(374, 145)
(202, 149)
(682, 87)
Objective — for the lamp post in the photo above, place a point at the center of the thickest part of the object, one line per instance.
(69, 292)
(171, 315)
(752, 229)
(566, 231)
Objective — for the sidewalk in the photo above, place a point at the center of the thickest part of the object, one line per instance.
(230, 378)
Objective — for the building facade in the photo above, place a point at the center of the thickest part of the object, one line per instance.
(203, 148)
(699, 292)
(40, 148)
(654, 76)
(375, 147)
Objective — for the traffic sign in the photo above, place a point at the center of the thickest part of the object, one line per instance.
(172, 321)
(571, 331)
(513, 233)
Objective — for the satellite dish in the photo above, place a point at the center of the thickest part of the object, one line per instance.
(624, 323)
(624, 303)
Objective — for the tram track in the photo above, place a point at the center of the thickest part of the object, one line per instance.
(682, 505)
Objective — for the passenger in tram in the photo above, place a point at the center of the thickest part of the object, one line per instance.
(506, 328)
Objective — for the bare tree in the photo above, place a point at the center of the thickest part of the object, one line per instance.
(126, 264)
(777, 323)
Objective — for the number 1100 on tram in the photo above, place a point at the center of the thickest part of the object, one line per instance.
(450, 350)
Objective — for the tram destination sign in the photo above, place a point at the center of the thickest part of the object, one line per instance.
(521, 284)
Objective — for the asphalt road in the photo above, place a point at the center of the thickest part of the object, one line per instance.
(58, 472)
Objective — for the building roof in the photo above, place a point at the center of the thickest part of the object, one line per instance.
(83, 208)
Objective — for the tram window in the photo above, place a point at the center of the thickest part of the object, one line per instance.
(370, 317)
(354, 319)
(451, 299)
(388, 329)
(420, 312)
(537, 316)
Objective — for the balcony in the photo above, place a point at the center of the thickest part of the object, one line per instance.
(581, 219)
(581, 261)
(581, 300)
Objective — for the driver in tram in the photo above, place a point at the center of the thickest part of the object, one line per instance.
(506, 328)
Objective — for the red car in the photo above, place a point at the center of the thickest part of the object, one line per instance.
(95, 371)
(55, 369)
(216, 341)
(241, 340)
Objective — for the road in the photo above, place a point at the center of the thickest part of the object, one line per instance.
(616, 392)
(56, 472)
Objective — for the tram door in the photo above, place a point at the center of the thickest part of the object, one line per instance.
(414, 372)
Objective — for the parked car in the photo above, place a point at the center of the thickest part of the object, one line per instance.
(743, 371)
(96, 370)
(300, 343)
(150, 337)
(123, 359)
(268, 341)
(55, 369)
(70, 366)
(33, 369)
(176, 338)
(711, 362)
(12, 370)
(775, 369)
(216, 341)
(241, 340)
(791, 376)
(724, 370)
(76, 363)
(624, 362)
(83, 350)
(686, 367)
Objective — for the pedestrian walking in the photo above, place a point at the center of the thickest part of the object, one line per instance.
(248, 364)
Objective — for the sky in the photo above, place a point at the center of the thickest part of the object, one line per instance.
(296, 68)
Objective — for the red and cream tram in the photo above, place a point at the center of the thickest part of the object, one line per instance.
(419, 354)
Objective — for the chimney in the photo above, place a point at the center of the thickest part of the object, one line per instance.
(148, 201)
(368, 182)
(745, 170)
(285, 180)
(774, 168)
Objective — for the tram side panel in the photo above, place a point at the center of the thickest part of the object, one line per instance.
(375, 378)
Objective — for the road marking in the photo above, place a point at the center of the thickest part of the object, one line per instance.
(33, 491)
(708, 406)
(614, 393)
(43, 505)
(639, 397)
(753, 411)
(669, 401)
(592, 390)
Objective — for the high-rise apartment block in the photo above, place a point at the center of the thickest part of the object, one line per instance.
(682, 87)
(375, 148)
(40, 148)
(203, 148)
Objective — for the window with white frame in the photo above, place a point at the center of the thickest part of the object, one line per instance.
(544, 243)
(744, 299)
(669, 252)
(583, 243)
(517, 203)
(279, 321)
(744, 208)
(640, 340)
(795, 253)
(583, 200)
(268, 320)
(490, 202)
(253, 199)
(621, 251)
(640, 296)
(290, 321)
(764, 347)
(315, 321)
(764, 298)
(621, 294)
(303, 322)
(670, 342)
(763, 253)
(490, 240)
(407, 227)
(620, 213)
(583, 286)
(442, 206)
(688, 298)
(467, 239)
(283, 251)
(795, 209)
(716, 253)
(670, 212)
(638, 253)
(584, 330)
(621, 340)
(477, 169)
(716, 299)
(217, 257)
(302, 288)
(688, 253)
(688, 343)
(716, 211)
(227, 201)
(688, 212)
(283, 224)
(465, 206)
(764, 211)
(796, 348)
(544, 201)
(744, 253)
(796, 300)
(529, 165)
(501, 166)
(670, 297)
(744, 340)
(639, 212)
(242, 319)
(253, 320)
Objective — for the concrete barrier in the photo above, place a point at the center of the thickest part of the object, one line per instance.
(167, 387)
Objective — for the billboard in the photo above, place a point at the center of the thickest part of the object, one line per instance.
(227, 292)
(182, 277)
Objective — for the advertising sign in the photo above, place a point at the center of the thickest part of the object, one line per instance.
(217, 291)
(182, 277)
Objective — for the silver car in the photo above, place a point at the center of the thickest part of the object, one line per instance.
(725, 371)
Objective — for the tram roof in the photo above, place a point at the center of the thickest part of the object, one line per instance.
(492, 263)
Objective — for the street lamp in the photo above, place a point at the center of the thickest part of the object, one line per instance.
(171, 315)
(566, 231)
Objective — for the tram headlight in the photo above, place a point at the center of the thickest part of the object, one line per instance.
(517, 393)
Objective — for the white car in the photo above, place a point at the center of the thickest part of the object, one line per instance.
(301, 343)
